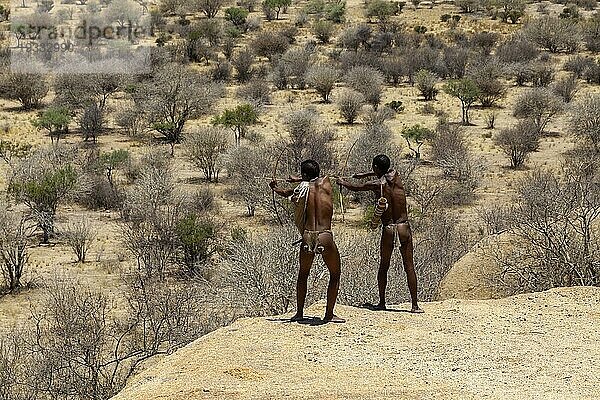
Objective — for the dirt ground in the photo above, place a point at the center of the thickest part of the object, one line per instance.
(534, 346)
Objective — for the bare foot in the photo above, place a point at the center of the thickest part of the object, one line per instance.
(297, 317)
(416, 310)
(380, 307)
(334, 318)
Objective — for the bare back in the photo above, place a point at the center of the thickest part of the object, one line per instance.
(319, 208)
(393, 191)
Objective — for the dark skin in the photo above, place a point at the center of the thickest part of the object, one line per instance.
(393, 191)
(319, 212)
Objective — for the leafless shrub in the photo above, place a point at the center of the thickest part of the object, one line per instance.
(566, 88)
(450, 151)
(270, 44)
(16, 230)
(538, 104)
(426, 81)
(518, 141)
(554, 221)
(263, 271)
(350, 103)
(133, 120)
(377, 117)
(490, 120)
(553, 34)
(578, 65)
(248, 166)
(295, 63)
(517, 49)
(376, 139)
(322, 78)
(584, 119)
(79, 236)
(309, 139)
(205, 148)
(77, 347)
(542, 74)
(256, 92)
(368, 81)
(496, 219)
(242, 63)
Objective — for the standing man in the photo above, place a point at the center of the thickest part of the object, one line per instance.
(391, 208)
(313, 212)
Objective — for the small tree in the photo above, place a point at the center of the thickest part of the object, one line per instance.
(42, 189)
(584, 119)
(467, 92)
(175, 95)
(350, 103)
(518, 141)
(382, 9)
(242, 62)
(426, 81)
(539, 104)
(79, 236)
(55, 120)
(417, 134)
(112, 161)
(196, 237)
(205, 149)
(270, 44)
(210, 8)
(275, 6)
(322, 78)
(566, 88)
(238, 120)
(511, 10)
(236, 15)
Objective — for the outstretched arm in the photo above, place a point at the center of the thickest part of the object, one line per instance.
(361, 187)
(280, 191)
(364, 175)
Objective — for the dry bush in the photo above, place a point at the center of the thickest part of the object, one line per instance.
(294, 64)
(16, 231)
(248, 166)
(26, 88)
(367, 81)
(538, 104)
(566, 88)
(374, 140)
(205, 148)
(309, 139)
(553, 34)
(262, 273)
(449, 151)
(242, 63)
(256, 92)
(394, 68)
(455, 60)
(555, 220)
(584, 119)
(517, 49)
(591, 33)
(578, 65)
(496, 219)
(270, 44)
(78, 346)
(79, 236)
(542, 74)
(350, 103)
(518, 141)
(322, 78)
(426, 81)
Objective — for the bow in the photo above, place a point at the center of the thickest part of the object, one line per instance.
(273, 191)
(342, 174)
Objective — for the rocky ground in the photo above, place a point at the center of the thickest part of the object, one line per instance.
(533, 346)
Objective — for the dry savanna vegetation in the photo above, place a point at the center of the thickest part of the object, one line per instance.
(135, 214)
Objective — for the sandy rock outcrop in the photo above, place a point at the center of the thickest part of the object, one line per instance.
(535, 346)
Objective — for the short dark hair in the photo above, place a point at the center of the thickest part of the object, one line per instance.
(382, 162)
(310, 168)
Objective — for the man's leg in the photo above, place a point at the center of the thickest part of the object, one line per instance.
(406, 249)
(331, 257)
(386, 247)
(306, 260)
